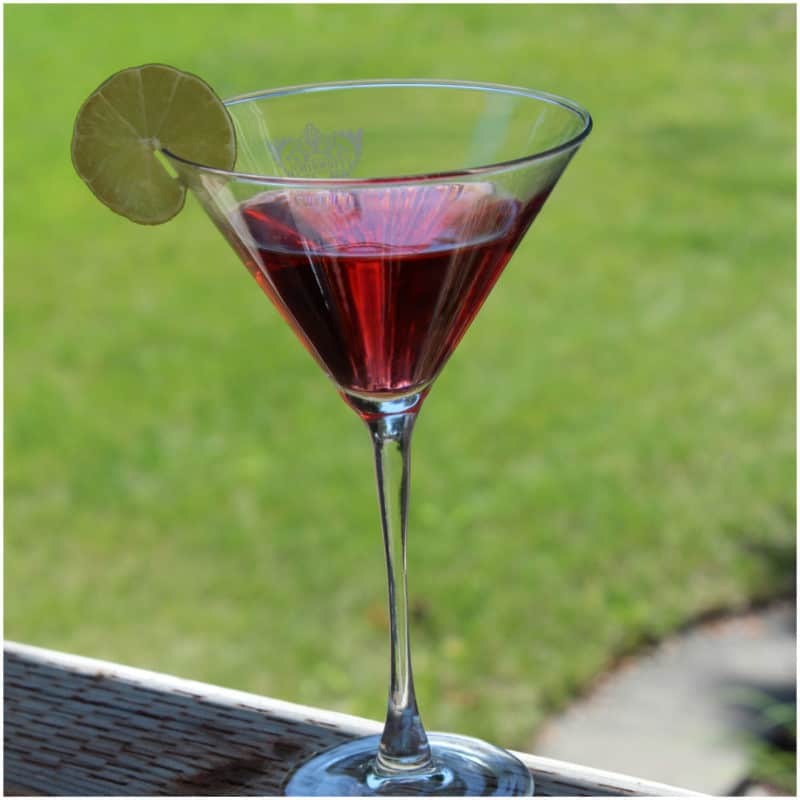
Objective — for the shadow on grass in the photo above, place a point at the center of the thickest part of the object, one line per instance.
(766, 717)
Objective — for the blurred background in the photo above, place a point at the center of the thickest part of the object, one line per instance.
(608, 456)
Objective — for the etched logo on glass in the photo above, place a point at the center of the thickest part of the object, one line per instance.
(320, 155)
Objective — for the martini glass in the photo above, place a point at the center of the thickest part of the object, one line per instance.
(377, 216)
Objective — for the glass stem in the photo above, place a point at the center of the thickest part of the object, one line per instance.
(404, 746)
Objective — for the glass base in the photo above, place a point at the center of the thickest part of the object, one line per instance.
(462, 767)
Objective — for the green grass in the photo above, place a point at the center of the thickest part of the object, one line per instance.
(609, 453)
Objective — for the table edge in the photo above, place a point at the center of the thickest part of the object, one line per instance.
(348, 723)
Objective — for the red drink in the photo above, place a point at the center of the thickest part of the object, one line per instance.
(381, 283)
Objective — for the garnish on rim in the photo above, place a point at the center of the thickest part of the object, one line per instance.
(124, 123)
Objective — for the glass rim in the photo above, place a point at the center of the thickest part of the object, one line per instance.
(501, 166)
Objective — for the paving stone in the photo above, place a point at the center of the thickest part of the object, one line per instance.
(675, 714)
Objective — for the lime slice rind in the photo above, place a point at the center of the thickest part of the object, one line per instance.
(128, 118)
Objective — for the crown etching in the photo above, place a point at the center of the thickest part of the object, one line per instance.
(320, 155)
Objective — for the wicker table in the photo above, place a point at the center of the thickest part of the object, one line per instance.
(77, 726)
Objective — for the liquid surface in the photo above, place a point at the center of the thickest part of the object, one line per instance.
(381, 283)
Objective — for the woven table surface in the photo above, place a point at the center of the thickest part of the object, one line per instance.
(76, 726)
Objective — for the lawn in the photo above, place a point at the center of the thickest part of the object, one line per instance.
(609, 453)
